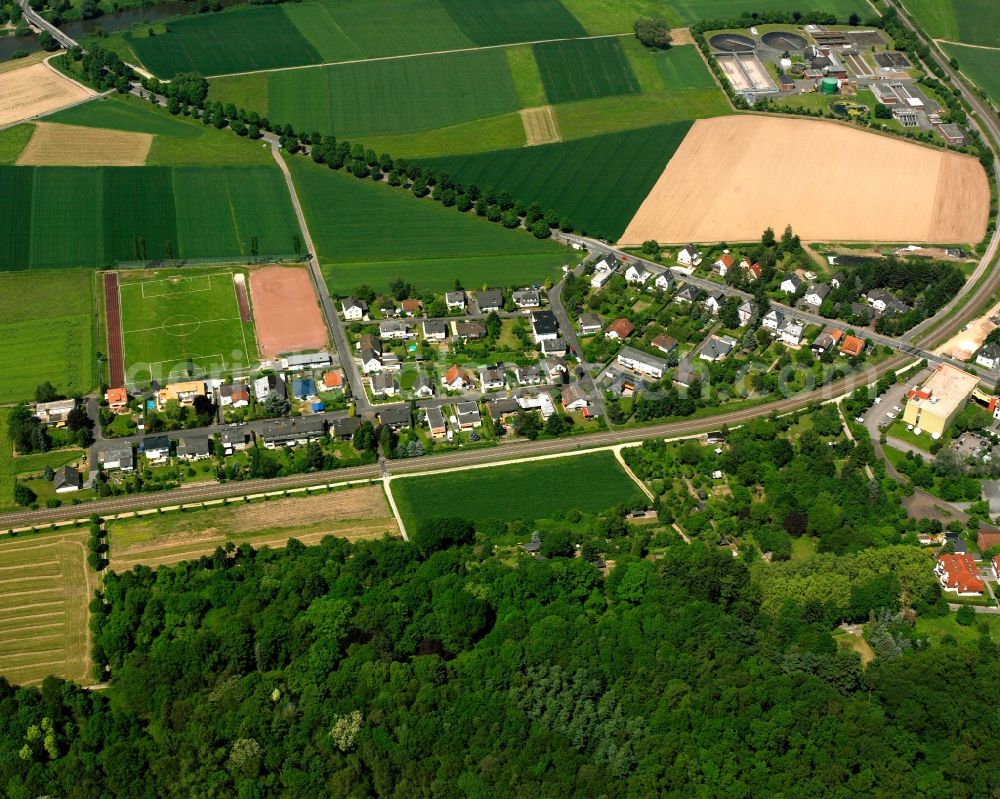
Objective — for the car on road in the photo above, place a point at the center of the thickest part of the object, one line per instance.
(878, 400)
(890, 414)
(859, 419)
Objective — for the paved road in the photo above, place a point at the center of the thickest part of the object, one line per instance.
(568, 333)
(36, 19)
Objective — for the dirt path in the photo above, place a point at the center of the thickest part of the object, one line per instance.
(643, 487)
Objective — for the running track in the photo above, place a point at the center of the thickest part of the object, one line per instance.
(241, 298)
(112, 309)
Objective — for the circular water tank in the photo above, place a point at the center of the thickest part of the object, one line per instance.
(829, 85)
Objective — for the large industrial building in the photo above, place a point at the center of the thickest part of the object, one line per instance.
(933, 407)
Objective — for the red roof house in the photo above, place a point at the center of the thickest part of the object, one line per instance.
(852, 346)
(620, 329)
(959, 575)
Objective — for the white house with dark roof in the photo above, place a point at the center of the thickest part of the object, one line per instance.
(590, 323)
(455, 300)
(745, 312)
(637, 273)
(791, 283)
(773, 320)
(67, 479)
(544, 326)
(384, 385)
(492, 378)
(574, 398)
(389, 330)
(689, 256)
(423, 387)
(354, 309)
(717, 348)
(435, 329)
(790, 332)
(489, 300)
(642, 362)
(816, 294)
(665, 280)
(988, 356)
(527, 298)
(714, 302)
(468, 415)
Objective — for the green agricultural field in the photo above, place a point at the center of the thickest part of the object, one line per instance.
(171, 317)
(690, 11)
(980, 65)
(235, 41)
(682, 68)
(489, 22)
(969, 21)
(528, 490)
(92, 216)
(356, 222)
(394, 96)
(176, 140)
(582, 69)
(597, 182)
(13, 140)
(599, 17)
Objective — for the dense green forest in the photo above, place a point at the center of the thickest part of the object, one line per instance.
(395, 670)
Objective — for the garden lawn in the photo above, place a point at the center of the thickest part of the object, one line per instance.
(935, 629)
(597, 182)
(969, 21)
(394, 96)
(262, 37)
(356, 221)
(529, 490)
(582, 69)
(46, 332)
(695, 10)
(92, 216)
(170, 317)
(980, 65)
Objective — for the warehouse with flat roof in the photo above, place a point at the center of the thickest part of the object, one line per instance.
(933, 407)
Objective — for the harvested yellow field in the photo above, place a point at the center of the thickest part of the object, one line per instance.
(163, 539)
(734, 176)
(27, 61)
(540, 126)
(69, 145)
(34, 90)
(45, 588)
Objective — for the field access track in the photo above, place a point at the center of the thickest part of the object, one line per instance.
(113, 314)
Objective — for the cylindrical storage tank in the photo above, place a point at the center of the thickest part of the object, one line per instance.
(829, 85)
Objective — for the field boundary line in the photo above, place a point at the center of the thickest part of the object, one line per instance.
(628, 470)
(178, 324)
(418, 55)
(387, 488)
(966, 44)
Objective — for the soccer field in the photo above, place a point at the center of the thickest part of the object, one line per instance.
(172, 319)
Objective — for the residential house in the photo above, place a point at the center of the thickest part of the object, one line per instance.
(423, 387)
(391, 330)
(291, 432)
(156, 448)
(435, 330)
(603, 271)
(266, 385)
(884, 302)
(194, 448)
(852, 346)
(590, 323)
(456, 379)
(816, 294)
(988, 356)
(689, 256)
(861, 313)
(527, 298)
(384, 385)
(234, 439)
(574, 398)
(745, 312)
(751, 270)
(528, 375)
(540, 402)
(717, 348)
(791, 283)
(455, 300)
(54, 413)
(354, 309)
(619, 330)
(370, 361)
(714, 301)
(553, 346)
(468, 414)
(641, 362)
(665, 281)
(184, 393)
(369, 341)
(391, 362)
(66, 480)
(555, 368)
(664, 343)
(838, 280)
(501, 409)
(116, 455)
(333, 381)
(411, 307)
(688, 294)
(489, 300)
(544, 326)
(387, 307)
(827, 340)
(235, 395)
(637, 273)
(470, 330)
(309, 360)
(790, 332)
(492, 378)
(773, 320)
(723, 263)
(959, 574)
(344, 427)
(117, 399)
(395, 417)
(436, 423)
(304, 389)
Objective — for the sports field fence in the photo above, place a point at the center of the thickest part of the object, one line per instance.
(168, 263)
